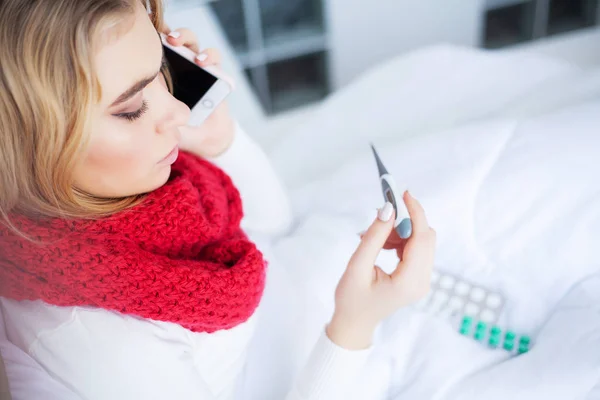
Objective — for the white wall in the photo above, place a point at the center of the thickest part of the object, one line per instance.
(366, 32)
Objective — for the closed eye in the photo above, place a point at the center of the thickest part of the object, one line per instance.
(134, 115)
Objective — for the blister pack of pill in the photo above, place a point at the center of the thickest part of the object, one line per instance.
(495, 337)
(453, 297)
(474, 310)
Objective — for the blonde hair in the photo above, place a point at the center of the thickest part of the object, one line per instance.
(47, 88)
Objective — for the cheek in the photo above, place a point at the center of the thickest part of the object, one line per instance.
(121, 160)
(115, 147)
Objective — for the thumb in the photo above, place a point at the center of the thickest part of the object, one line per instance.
(373, 240)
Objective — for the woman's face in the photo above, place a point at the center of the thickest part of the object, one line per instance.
(135, 127)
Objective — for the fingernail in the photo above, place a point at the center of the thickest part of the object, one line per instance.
(202, 57)
(361, 233)
(386, 212)
(175, 34)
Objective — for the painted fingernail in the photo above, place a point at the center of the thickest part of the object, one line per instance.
(202, 57)
(386, 212)
(175, 34)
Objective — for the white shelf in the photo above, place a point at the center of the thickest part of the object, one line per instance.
(493, 4)
(288, 100)
(284, 46)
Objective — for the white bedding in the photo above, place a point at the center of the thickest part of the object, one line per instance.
(429, 90)
(516, 204)
(513, 193)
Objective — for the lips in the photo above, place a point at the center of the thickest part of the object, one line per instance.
(171, 157)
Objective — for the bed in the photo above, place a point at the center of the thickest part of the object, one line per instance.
(502, 150)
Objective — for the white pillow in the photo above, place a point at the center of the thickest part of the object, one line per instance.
(429, 90)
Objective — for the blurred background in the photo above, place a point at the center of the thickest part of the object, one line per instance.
(291, 54)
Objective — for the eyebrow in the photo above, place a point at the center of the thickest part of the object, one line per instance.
(138, 86)
(133, 90)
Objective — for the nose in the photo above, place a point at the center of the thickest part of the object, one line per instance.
(175, 114)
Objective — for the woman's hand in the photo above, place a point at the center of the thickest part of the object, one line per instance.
(216, 133)
(366, 294)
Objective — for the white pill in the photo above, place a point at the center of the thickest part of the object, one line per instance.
(471, 309)
(434, 277)
(487, 316)
(456, 303)
(441, 297)
(437, 302)
(494, 301)
(447, 282)
(477, 294)
(445, 312)
(462, 288)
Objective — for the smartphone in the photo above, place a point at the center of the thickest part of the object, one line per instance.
(201, 89)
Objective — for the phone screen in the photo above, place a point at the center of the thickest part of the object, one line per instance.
(190, 82)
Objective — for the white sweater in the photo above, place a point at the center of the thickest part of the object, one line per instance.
(98, 354)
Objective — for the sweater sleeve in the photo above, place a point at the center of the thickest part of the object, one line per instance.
(328, 372)
(266, 204)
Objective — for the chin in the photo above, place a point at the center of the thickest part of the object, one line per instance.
(163, 177)
(156, 180)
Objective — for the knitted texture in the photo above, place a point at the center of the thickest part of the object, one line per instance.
(180, 256)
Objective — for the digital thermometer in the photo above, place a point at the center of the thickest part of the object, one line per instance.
(402, 224)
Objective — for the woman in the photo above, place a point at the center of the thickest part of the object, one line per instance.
(125, 270)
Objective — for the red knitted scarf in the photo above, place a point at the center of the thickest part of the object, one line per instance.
(180, 256)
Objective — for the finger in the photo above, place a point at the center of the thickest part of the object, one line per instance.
(400, 251)
(417, 214)
(392, 243)
(418, 255)
(379, 274)
(162, 80)
(373, 240)
(209, 57)
(421, 249)
(184, 37)
(394, 240)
